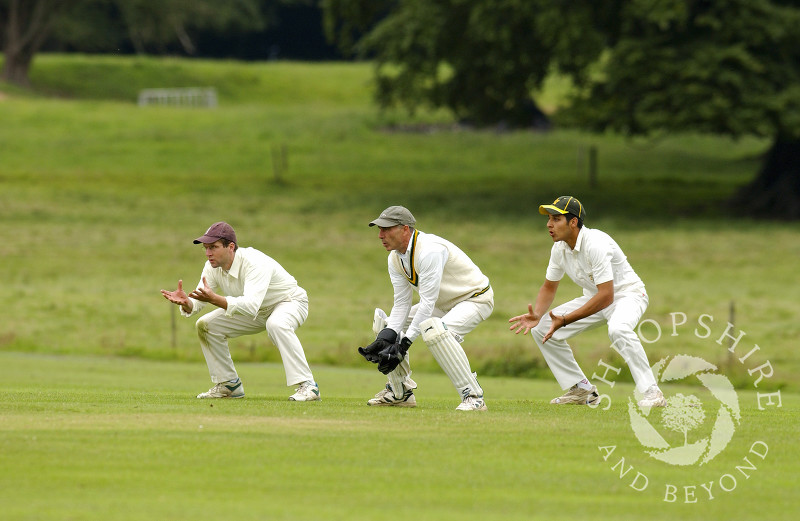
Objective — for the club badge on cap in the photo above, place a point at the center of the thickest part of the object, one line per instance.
(564, 205)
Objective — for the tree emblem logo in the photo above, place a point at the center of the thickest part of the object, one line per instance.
(684, 414)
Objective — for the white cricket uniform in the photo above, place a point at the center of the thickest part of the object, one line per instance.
(261, 294)
(596, 259)
(450, 287)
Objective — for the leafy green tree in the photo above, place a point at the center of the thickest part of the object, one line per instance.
(729, 67)
(479, 58)
(150, 25)
(641, 68)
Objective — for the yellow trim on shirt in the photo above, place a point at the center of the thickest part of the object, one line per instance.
(481, 292)
(414, 278)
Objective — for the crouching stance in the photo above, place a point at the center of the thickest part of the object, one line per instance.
(454, 297)
(613, 294)
(259, 295)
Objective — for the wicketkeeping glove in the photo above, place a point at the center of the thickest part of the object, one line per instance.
(385, 339)
(391, 357)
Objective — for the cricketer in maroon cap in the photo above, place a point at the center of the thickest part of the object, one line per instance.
(252, 293)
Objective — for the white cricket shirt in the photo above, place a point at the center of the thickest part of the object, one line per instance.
(596, 259)
(255, 281)
(440, 272)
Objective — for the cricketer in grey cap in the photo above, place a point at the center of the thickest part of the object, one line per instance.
(394, 216)
(454, 297)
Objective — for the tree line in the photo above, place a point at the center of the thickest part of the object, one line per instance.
(240, 29)
(639, 67)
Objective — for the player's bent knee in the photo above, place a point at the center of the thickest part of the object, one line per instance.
(432, 328)
(539, 331)
(619, 331)
(202, 324)
(277, 324)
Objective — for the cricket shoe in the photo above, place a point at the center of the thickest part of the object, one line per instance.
(653, 397)
(307, 392)
(577, 396)
(387, 398)
(472, 403)
(232, 389)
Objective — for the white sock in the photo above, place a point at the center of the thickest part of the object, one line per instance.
(585, 385)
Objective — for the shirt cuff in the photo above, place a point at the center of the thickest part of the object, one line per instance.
(195, 308)
(231, 307)
(412, 334)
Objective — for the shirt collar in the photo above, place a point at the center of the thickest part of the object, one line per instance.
(237, 262)
(411, 242)
(579, 240)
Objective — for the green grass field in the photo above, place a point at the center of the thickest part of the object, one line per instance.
(99, 202)
(87, 438)
(102, 199)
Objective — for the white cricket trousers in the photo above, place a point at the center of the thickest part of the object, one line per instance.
(621, 316)
(214, 330)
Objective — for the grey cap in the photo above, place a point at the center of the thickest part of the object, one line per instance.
(394, 216)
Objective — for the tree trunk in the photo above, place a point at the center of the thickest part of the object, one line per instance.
(27, 25)
(775, 192)
(16, 67)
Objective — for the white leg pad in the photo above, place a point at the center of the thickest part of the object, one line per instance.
(379, 321)
(400, 379)
(450, 356)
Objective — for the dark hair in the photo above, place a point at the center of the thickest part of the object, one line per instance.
(570, 216)
(226, 242)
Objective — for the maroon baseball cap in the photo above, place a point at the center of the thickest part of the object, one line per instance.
(217, 231)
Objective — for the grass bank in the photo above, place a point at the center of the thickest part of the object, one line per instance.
(102, 199)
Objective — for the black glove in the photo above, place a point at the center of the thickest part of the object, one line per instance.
(391, 357)
(385, 339)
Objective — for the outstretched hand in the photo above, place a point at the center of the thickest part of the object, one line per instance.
(556, 322)
(204, 294)
(524, 323)
(178, 297)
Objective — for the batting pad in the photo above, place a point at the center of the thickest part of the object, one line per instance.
(379, 321)
(450, 356)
